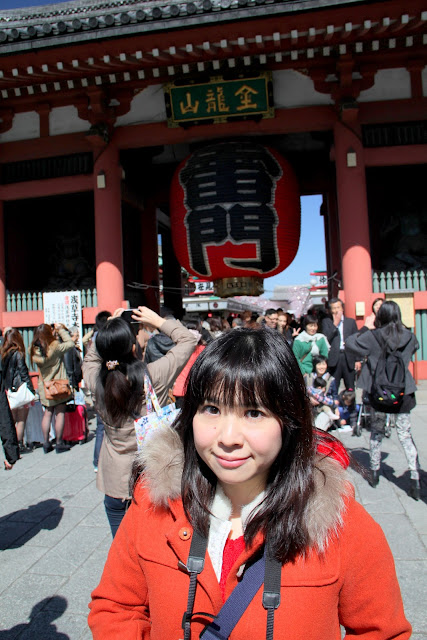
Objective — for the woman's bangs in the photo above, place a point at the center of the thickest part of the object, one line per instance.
(233, 386)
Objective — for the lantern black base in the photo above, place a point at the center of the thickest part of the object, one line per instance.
(244, 286)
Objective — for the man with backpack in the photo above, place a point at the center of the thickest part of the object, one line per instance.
(386, 378)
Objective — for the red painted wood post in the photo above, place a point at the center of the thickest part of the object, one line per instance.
(108, 229)
(353, 218)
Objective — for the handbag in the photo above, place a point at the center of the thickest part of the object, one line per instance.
(57, 389)
(155, 417)
(19, 398)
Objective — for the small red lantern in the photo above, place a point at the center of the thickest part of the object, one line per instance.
(235, 215)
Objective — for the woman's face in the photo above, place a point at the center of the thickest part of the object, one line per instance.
(321, 368)
(311, 328)
(239, 445)
(281, 321)
(377, 306)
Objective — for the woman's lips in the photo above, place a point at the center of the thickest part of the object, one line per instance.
(230, 463)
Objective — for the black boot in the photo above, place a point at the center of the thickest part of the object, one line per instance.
(374, 478)
(414, 489)
(61, 446)
(47, 446)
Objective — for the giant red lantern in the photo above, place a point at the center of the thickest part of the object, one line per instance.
(235, 215)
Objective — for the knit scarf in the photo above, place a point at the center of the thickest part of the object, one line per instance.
(305, 337)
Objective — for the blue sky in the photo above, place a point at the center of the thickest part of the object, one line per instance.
(311, 254)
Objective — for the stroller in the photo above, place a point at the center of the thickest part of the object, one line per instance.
(364, 418)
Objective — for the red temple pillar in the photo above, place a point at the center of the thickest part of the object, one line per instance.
(2, 263)
(353, 218)
(108, 229)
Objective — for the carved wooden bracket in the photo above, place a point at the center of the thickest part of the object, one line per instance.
(343, 81)
(100, 106)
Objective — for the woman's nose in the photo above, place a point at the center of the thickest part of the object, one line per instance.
(231, 432)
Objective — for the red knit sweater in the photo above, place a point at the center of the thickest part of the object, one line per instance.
(232, 550)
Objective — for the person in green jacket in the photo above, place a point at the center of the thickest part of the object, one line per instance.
(309, 343)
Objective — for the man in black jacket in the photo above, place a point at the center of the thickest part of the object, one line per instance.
(341, 364)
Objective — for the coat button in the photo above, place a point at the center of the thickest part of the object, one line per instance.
(184, 533)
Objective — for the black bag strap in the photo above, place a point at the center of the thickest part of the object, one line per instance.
(265, 570)
(271, 595)
(195, 564)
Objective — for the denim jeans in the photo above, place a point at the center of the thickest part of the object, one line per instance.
(115, 508)
(99, 436)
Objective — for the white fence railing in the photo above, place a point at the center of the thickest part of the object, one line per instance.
(33, 300)
(398, 281)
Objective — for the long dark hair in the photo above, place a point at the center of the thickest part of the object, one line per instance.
(42, 338)
(120, 387)
(12, 342)
(251, 368)
(389, 319)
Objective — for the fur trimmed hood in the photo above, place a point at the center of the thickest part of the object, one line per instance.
(162, 460)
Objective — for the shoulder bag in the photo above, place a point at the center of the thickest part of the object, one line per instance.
(20, 397)
(57, 389)
(156, 416)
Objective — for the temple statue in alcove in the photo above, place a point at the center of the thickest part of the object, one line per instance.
(69, 267)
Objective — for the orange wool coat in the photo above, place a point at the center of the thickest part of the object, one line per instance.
(143, 592)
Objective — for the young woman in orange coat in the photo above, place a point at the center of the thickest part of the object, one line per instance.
(243, 472)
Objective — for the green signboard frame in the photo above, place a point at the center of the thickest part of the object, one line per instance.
(220, 100)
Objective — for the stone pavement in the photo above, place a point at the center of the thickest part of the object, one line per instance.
(54, 535)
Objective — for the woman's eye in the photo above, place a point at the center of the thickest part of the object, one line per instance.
(254, 413)
(210, 409)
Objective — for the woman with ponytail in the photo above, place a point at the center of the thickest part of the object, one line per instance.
(114, 372)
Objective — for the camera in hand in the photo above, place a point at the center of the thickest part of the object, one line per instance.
(127, 316)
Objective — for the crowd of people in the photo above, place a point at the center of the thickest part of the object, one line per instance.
(335, 358)
(333, 355)
(250, 471)
(55, 352)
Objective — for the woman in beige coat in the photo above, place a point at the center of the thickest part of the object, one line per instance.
(114, 373)
(47, 352)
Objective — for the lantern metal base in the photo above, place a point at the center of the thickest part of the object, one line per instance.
(243, 286)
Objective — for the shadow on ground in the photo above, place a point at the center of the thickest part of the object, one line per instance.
(21, 526)
(403, 481)
(40, 625)
(361, 466)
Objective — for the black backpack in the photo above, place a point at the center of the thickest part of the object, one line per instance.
(388, 380)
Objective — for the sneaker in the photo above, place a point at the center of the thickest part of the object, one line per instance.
(345, 428)
(95, 469)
